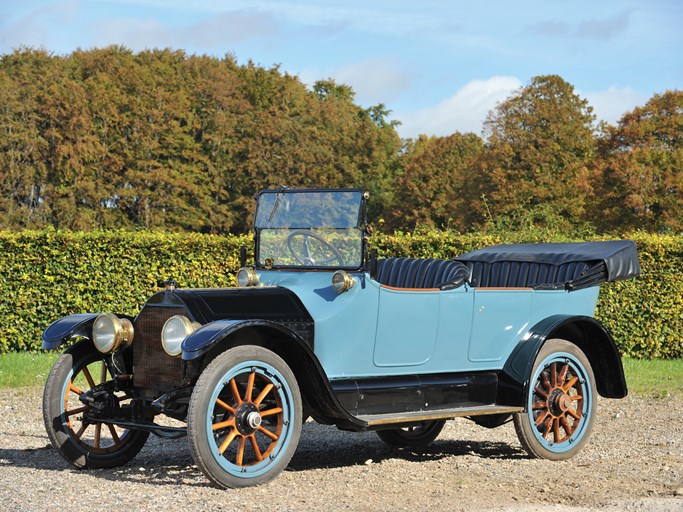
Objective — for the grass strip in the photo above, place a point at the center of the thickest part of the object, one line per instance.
(658, 378)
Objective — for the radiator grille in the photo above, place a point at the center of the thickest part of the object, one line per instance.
(152, 367)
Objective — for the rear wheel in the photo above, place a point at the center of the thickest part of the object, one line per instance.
(560, 407)
(84, 443)
(244, 419)
(414, 436)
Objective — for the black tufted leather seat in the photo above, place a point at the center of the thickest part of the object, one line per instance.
(522, 274)
(421, 273)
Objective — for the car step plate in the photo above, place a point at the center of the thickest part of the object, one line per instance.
(408, 417)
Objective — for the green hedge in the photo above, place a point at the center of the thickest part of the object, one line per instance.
(46, 275)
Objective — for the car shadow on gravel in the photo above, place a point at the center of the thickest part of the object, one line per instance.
(161, 462)
(44, 458)
(343, 449)
(169, 462)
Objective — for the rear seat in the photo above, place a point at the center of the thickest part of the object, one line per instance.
(421, 273)
(523, 274)
(429, 273)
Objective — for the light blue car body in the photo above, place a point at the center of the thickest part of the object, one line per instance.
(373, 330)
(466, 332)
(321, 327)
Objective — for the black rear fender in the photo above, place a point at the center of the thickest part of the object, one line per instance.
(597, 343)
(586, 333)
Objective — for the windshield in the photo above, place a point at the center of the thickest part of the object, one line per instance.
(309, 228)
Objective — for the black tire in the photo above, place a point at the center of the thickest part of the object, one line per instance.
(560, 406)
(414, 436)
(244, 418)
(491, 420)
(83, 444)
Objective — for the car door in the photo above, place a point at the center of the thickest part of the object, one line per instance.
(407, 326)
(500, 317)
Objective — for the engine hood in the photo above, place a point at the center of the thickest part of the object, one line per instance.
(208, 305)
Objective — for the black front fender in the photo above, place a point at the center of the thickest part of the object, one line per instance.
(585, 332)
(323, 404)
(206, 337)
(62, 330)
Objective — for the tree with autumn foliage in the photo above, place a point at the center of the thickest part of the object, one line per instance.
(109, 138)
(539, 150)
(429, 190)
(639, 171)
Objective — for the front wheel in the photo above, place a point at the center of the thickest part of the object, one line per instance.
(244, 419)
(82, 442)
(560, 407)
(414, 436)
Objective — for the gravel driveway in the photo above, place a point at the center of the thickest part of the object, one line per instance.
(633, 462)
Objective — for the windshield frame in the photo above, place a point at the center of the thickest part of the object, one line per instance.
(361, 225)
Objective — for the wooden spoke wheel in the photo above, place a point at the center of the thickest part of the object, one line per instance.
(81, 441)
(414, 436)
(245, 417)
(560, 403)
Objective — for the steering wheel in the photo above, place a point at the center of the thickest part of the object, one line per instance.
(306, 258)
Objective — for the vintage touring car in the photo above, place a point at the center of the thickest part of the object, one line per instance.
(320, 327)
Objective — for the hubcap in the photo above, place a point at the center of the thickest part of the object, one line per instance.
(247, 419)
(254, 420)
(564, 402)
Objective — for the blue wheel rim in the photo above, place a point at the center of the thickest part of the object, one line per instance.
(560, 402)
(279, 424)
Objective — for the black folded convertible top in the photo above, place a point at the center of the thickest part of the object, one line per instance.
(553, 266)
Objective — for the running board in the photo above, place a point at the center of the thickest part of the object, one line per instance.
(376, 420)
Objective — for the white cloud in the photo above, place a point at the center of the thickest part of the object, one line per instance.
(33, 27)
(213, 32)
(465, 111)
(603, 29)
(373, 80)
(382, 18)
(611, 104)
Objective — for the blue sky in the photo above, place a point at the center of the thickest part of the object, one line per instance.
(440, 66)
